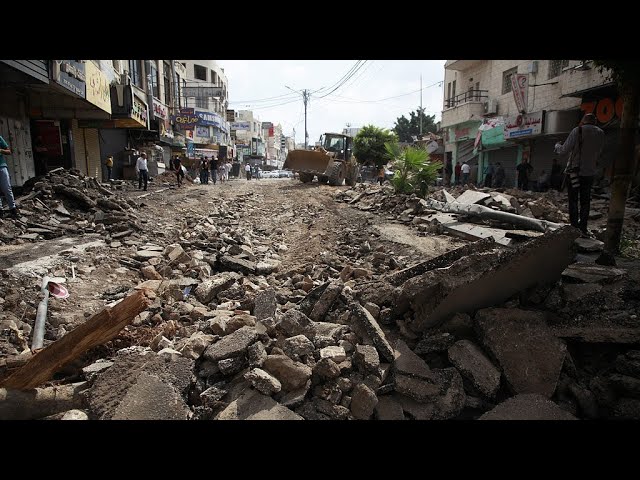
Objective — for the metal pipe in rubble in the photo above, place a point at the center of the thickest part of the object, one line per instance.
(41, 317)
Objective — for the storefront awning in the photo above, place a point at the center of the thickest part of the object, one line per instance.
(606, 90)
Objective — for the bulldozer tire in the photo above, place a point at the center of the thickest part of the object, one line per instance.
(322, 179)
(306, 177)
(336, 174)
(352, 176)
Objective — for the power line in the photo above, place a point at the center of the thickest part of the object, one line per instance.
(353, 67)
(345, 80)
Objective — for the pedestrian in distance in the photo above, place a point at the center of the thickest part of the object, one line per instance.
(213, 165)
(458, 172)
(381, 175)
(142, 171)
(466, 170)
(500, 175)
(247, 170)
(109, 164)
(524, 172)
(177, 163)
(488, 175)
(585, 144)
(5, 181)
(204, 171)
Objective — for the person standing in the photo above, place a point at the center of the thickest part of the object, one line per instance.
(109, 164)
(585, 142)
(524, 170)
(142, 170)
(465, 169)
(488, 175)
(247, 170)
(204, 171)
(500, 175)
(381, 175)
(177, 164)
(213, 165)
(458, 172)
(5, 180)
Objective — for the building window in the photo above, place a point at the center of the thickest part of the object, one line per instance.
(166, 73)
(506, 79)
(202, 102)
(199, 72)
(152, 78)
(453, 92)
(214, 77)
(135, 71)
(449, 95)
(478, 91)
(556, 66)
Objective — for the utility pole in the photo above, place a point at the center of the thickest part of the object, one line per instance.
(305, 98)
(420, 106)
(294, 138)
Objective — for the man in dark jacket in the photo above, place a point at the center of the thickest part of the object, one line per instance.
(585, 143)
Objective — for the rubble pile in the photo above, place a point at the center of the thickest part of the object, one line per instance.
(66, 202)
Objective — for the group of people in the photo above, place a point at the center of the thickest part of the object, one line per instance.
(214, 169)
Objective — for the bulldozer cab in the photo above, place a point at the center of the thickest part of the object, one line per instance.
(337, 145)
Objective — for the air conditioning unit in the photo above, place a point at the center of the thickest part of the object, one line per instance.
(532, 67)
(491, 106)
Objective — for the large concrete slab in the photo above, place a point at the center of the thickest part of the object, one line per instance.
(471, 231)
(253, 405)
(528, 353)
(470, 197)
(592, 273)
(231, 345)
(527, 406)
(485, 279)
(474, 366)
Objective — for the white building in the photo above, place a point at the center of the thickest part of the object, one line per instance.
(482, 123)
(206, 90)
(247, 129)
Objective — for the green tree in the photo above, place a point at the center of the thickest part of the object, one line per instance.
(413, 170)
(407, 128)
(369, 145)
(626, 73)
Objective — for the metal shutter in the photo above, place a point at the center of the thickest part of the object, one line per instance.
(93, 153)
(507, 157)
(20, 163)
(79, 157)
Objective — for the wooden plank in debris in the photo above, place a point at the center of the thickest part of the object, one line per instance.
(470, 197)
(99, 329)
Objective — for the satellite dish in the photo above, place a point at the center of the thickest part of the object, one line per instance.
(432, 146)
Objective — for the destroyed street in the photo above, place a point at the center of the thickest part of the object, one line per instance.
(277, 299)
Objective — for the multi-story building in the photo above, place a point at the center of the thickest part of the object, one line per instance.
(482, 123)
(247, 130)
(205, 90)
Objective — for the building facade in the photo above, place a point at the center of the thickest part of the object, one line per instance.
(507, 110)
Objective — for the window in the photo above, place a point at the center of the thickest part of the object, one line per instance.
(176, 90)
(167, 82)
(449, 94)
(135, 71)
(477, 90)
(214, 77)
(152, 78)
(199, 72)
(506, 79)
(556, 66)
(453, 92)
(202, 102)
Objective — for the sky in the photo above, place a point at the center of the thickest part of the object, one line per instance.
(342, 92)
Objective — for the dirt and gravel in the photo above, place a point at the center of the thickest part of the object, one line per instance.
(274, 299)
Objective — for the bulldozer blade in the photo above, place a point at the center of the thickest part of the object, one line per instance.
(311, 161)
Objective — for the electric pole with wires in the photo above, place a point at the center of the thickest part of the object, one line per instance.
(305, 98)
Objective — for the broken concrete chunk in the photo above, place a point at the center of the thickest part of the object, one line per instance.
(527, 406)
(238, 264)
(366, 359)
(294, 322)
(364, 319)
(474, 366)
(325, 301)
(232, 344)
(265, 304)
(209, 289)
(407, 362)
(440, 397)
(388, 408)
(530, 357)
(327, 369)
(431, 343)
(233, 365)
(298, 346)
(592, 273)
(92, 370)
(292, 375)
(253, 405)
(363, 402)
(75, 415)
(337, 354)
(256, 354)
(263, 382)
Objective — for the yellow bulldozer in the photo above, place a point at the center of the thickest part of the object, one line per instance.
(332, 161)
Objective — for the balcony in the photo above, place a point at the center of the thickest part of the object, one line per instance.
(464, 107)
(460, 65)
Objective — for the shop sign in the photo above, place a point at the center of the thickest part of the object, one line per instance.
(71, 75)
(605, 109)
(98, 88)
(159, 109)
(523, 125)
(206, 118)
(240, 125)
(139, 112)
(186, 119)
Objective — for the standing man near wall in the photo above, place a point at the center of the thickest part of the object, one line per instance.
(143, 172)
(585, 143)
(5, 181)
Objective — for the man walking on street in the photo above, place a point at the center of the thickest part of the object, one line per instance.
(585, 142)
(466, 169)
(143, 172)
(177, 163)
(109, 164)
(488, 175)
(5, 181)
(213, 165)
(247, 169)
(524, 170)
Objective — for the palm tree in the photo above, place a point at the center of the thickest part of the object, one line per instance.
(413, 170)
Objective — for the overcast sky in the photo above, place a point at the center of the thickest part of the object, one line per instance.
(260, 85)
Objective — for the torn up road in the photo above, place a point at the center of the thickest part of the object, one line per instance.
(277, 300)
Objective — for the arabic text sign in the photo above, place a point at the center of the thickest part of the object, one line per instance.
(523, 125)
(202, 92)
(520, 88)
